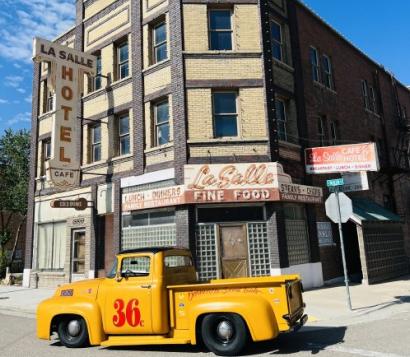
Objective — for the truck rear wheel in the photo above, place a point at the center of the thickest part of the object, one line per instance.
(224, 334)
(73, 332)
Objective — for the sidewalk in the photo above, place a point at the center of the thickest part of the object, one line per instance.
(326, 306)
(15, 300)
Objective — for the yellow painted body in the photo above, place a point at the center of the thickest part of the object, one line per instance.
(165, 306)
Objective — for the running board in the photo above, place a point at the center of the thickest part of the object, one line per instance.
(132, 340)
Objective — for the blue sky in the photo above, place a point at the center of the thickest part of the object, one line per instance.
(382, 32)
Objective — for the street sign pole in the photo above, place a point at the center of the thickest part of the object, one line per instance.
(342, 247)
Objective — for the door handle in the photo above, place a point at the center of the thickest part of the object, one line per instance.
(146, 286)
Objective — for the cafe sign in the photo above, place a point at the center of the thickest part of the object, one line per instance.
(223, 183)
(65, 79)
(342, 158)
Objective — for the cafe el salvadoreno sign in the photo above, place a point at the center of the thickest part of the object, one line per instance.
(342, 158)
(65, 79)
(219, 183)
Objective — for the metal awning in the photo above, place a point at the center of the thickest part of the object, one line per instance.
(365, 209)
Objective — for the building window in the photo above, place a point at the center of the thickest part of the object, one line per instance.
(46, 155)
(98, 77)
(334, 132)
(277, 41)
(220, 29)
(365, 93)
(372, 100)
(159, 44)
(161, 122)
(78, 252)
(321, 131)
(314, 62)
(404, 112)
(123, 61)
(328, 72)
(124, 134)
(51, 246)
(225, 114)
(152, 218)
(96, 143)
(281, 119)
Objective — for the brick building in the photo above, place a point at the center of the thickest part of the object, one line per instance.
(184, 88)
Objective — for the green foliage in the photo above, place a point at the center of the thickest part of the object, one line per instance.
(14, 178)
(14, 171)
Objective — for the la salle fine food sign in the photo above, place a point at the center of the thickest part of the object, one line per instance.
(218, 183)
(65, 78)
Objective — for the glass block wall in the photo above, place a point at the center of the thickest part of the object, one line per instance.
(207, 252)
(149, 236)
(259, 252)
(298, 241)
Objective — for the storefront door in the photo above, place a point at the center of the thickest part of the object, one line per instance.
(78, 255)
(234, 248)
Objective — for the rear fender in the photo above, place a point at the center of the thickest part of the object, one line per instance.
(88, 309)
(256, 312)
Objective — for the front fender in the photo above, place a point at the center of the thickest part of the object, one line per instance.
(256, 311)
(86, 308)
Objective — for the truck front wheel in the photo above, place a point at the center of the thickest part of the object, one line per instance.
(72, 331)
(224, 334)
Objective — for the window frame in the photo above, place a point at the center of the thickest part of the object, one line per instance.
(328, 73)
(281, 43)
(210, 30)
(372, 99)
(334, 133)
(94, 144)
(155, 45)
(45, 154)
(236, 114)
(74, 259)
(322, 132)
(315, 67)
(283, 103)
(125, 62)
(365, 94)
(124, 135)
(98, 73)
(158, 125)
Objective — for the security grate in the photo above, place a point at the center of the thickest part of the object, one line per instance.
(259, 253)
(206, 250)
(149, 236)
(297, 239)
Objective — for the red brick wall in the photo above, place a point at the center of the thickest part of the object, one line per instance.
(345, 105)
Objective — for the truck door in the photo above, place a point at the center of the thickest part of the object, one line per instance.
(128, 298)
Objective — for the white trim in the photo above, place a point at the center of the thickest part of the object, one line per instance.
(150, 177)
(26, 278)
(310, 273)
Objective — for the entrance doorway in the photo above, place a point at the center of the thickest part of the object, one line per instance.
(234, 249)
(78, 255)
(353, 262)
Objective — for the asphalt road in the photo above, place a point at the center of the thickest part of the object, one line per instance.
(384, 338)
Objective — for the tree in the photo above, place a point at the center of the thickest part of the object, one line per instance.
(14, 176)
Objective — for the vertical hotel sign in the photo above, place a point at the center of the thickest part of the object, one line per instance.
(67, 68)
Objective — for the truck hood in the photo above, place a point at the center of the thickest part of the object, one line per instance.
(84, 288)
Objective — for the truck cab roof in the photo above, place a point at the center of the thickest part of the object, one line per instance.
(153, 250)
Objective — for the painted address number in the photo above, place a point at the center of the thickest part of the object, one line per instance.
(131, 315)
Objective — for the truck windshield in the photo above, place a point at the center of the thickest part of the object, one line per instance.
(113, 271)
(135, 266)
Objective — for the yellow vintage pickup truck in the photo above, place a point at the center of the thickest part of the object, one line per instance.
(152, 296)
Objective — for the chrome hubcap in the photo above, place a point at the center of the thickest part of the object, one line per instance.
(74, 328)
(224, 330)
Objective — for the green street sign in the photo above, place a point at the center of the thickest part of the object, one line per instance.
(335, 182)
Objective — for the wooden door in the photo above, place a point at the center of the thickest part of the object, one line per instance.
(234, 247)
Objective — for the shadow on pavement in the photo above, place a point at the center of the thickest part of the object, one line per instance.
(310, 339)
